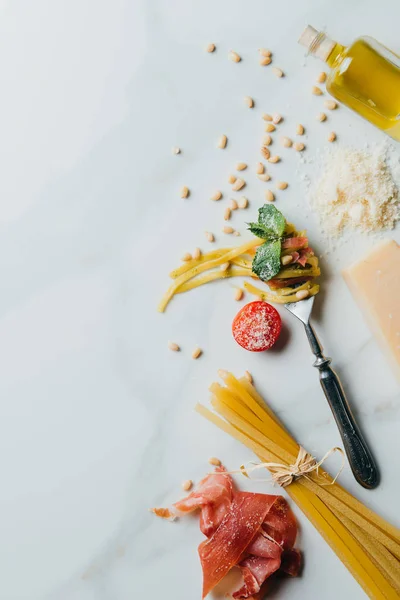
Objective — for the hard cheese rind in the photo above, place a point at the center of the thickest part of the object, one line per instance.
(374, 282)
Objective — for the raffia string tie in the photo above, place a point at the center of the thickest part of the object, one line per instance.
(284, 475)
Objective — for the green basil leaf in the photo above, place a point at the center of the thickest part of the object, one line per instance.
(267, 261)
(260, 231)
(272, 220)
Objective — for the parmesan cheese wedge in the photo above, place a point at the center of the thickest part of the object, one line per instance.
(374, 282)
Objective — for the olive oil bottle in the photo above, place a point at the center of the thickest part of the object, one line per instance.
(365, 76)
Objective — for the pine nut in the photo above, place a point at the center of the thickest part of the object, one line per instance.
(330, 104)
(267, 141)
(266, 117)
(248, 376)
(298, 146)
(286, 260)
(196, 253)
(227, 214)
(321, 77)
(259, 168)
(286, 142)
(263, 177)
(210, 48)
(222, 141)
(234, 56)
(233, 204)
(217, 195)
(265, 60)
(238, 185)
(238, 294)
(186, 485)
(332, 136)
(236, 233)
(210, 236)
(299, 129)
(227, 229)
(277, 118)
(277, 72)
(264, 52)
(197, 352)
(302, 294)
(321, 117)
(265, 153)
(185, 192)
(316, 90)
(269, 128)
(274, 159)
(232, 179)
(174, 347)
(243, 202)
(249, 102)
(282, 185)
(241, 166)
(176, 150)
(186, 257)
(224, 267)
(214, 461)
(269, 195)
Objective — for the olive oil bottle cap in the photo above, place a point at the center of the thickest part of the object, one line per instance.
(316, 42)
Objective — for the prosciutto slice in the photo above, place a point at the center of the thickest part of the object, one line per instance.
(295, 243)
(255, 572)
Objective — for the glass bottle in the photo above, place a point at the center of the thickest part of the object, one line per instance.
(365, 76)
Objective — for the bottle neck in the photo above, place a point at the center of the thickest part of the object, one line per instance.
(336, 55)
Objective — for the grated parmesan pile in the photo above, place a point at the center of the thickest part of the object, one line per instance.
(356, 192)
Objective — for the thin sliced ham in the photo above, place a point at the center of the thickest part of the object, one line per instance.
(291, 562)
(304, 254)
(255, 572)
(295, 243)
(280, 524)
(276, 284)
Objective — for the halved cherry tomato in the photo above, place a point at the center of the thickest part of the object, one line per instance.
(257, 326)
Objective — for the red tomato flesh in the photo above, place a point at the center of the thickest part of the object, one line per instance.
(257, 326)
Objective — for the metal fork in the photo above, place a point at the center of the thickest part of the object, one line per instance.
(360, 458)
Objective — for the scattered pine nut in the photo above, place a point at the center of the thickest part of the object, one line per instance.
(259, 168)
(186, 257)
(269, 195)
(282, 185)
(331, 104)
(298, 146)
(241, 166)
(210, 236)
(265, 153)
(227, 213)
(176, 150)
(264, 52)
(277, 72)
(196, 253)
(234, 56)
(231, 179)
(267, 140)
(248, 376)
(274, 159)
(238, 294)
(277, 118)
(214, 461)
(249, 101)
(236, 233)
(217, 195)
(210, 47)
(321, 117)
(332, 136)
(299, 129)
(227, 229)
(286, 260)
(263, 177)
(185, 192)
(266, 117)
(265, 60)
(269, 128)
(243, 202)
(286, 142)
(302, 294)
(224, 267)
(222, 141)
(233, 204)
(174, 347)
(316, 90)
(186, 485)
(197, 352)
(238, 185)
(321, 77)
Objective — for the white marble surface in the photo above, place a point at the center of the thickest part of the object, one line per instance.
(97, 420)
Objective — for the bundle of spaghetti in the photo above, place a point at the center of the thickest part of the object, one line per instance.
(189, 275)
(367, 545)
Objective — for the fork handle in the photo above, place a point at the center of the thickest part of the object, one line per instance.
(360, 458)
